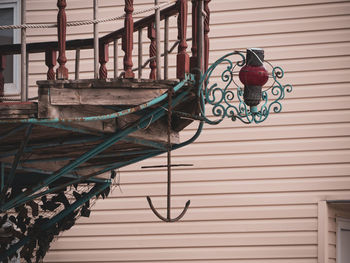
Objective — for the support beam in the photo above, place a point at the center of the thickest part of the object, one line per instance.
(12, 131)
(24, 91)
(96, 43)
(17, 159)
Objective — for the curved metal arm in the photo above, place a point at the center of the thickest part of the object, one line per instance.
(168, 219)
(226, 97)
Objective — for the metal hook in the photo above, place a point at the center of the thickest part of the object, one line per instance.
(168, 218)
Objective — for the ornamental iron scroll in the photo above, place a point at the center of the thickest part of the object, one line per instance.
(236, 102)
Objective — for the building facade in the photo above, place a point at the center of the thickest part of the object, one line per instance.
(274, 192)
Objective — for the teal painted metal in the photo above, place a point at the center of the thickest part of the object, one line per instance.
(2, 173)
(223, 98)
(16, 160)
(93, 192)
(29, 149)
(150, 118)
(66, 127)
(148, 143)
(39, 171)
(13, 131)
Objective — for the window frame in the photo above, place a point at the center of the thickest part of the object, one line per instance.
(14, 88)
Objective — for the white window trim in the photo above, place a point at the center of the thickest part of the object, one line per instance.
(342, 223)
(14, 88)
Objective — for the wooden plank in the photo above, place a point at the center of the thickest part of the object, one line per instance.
(187, 240)
(206, 214)
(154, 228)
(190, 253)
(102, 96)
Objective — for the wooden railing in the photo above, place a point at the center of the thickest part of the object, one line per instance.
(185, 64)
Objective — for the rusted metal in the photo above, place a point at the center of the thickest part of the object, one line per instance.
(169, 165)
(62, 71)
(165, 165)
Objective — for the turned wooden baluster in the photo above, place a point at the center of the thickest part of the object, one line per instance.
(194, 49)
(103, 54)
(182, 58)
(62, 71)
(127, 43)
(152, 51)
(206, 34)
(50, 61)
(2, 78)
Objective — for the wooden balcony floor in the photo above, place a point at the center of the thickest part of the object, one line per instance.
(54, 145)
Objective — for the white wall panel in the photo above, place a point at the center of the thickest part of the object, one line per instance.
(254, 189)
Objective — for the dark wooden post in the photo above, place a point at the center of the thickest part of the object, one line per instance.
(50, 61)
(193, 60)
(182, 58)
(103, 54)
(152, 51)
(127, 44)
(2, 78)
(206, 34)
(62, 71)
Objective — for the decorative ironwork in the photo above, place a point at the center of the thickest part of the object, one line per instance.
(228, 100)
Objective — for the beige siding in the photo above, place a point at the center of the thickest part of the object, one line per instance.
(255, 189)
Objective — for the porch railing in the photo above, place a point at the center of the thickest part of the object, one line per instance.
(184, 64)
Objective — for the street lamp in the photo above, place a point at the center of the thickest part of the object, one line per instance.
(251, 103)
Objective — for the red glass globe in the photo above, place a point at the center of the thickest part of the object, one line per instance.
(253, 75)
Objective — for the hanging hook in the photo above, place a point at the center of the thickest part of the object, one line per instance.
(168, 218)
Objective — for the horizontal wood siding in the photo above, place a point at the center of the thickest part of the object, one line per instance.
(254, 189)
